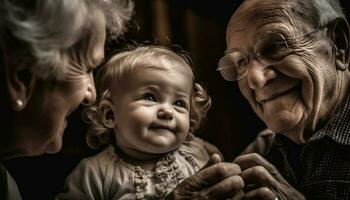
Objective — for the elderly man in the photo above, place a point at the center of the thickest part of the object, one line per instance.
(291, 62)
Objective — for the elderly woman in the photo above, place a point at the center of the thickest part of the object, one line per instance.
(291, 62)
(48, 50)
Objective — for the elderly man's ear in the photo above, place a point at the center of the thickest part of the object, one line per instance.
(20, 82)
(339, 30)
(106, 108)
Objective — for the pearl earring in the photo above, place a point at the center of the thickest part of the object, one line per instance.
(19, 103)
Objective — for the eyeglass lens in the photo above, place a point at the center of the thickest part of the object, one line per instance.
(269, 50)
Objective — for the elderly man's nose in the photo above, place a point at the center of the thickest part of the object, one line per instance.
(259, 74)
(90, 95)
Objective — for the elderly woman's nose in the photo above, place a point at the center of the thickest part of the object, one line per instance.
(90, 95)
(259, 74)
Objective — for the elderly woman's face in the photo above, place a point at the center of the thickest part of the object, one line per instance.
(292, 87)
(45, 116)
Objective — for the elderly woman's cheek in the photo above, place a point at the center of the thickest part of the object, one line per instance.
(80, 88)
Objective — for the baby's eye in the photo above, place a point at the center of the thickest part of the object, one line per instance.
(149, 97)
(180, 103)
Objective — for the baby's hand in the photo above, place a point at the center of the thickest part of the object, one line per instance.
(215, 158)
(211, 150)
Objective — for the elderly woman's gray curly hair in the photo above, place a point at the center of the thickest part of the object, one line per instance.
(53, 31)
(119, 68)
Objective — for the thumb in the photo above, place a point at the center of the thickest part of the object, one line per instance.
(215, 158)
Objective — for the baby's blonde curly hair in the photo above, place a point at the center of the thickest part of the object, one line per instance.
(119, 68)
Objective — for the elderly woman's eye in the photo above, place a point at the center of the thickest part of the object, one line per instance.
(149, 97)
(90, 70)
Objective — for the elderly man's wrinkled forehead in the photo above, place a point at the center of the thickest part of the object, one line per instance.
(257, 13)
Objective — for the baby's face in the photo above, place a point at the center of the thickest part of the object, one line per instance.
(151, 110)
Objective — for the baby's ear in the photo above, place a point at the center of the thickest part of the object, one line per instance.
(106, 108)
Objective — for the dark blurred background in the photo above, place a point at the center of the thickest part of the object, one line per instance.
(198, 26)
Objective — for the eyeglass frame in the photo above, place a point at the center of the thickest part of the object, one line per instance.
(252, 53)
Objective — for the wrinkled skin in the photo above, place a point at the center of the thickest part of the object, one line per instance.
(295, 96)
(216, 180)
(263, 181)
(38, 126)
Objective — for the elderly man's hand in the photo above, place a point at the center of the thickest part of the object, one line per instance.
(217, 180)
(263, 181)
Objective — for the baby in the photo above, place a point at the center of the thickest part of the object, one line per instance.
(148, 107)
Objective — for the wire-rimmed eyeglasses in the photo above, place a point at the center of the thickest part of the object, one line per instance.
(270, 49)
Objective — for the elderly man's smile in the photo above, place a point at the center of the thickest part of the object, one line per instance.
(263, 96)
(285, 99)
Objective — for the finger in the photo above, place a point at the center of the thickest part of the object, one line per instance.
(227, 188)
(215, 158)
(239, 195)
(253, 159)
(258, 176)
(262, 193)
(215, 173)
(198, 181)
(211, 149)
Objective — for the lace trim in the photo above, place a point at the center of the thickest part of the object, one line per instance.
(190, 159)
(167, 173)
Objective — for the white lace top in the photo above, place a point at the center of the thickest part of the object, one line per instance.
(106, 176)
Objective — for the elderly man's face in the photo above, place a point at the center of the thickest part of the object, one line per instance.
(297, 91)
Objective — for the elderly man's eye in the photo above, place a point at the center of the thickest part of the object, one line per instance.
(241, 64)
(272, 49)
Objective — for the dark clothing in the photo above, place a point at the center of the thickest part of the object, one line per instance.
(3, 182)
(319, 169)
(8, 187)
